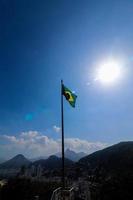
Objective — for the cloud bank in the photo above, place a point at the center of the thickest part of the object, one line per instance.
(33, 144)
(56, 129)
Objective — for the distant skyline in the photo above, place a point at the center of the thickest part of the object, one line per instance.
(43, 42)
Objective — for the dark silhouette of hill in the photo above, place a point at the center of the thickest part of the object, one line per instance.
(116, 157)
(18, 161)
(52, 162)
(15, 163)
(110, 172)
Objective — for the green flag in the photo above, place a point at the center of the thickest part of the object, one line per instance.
(69, 95)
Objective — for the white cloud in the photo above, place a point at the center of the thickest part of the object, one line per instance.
(10, 138)
(56, 129)
(34, 144)
(83, 145)
(29, 134)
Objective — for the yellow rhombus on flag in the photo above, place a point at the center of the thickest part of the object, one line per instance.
(69, 95)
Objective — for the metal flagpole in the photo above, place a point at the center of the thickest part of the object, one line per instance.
(62, 125)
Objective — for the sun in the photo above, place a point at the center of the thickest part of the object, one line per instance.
(109, 72)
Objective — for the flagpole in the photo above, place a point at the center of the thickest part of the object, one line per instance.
(62, 128)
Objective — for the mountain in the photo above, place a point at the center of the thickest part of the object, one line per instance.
(15, 163)
(2, 160)
(38, 158)
(53, 162)
(72, 155)
(114, 158)
(110, 172)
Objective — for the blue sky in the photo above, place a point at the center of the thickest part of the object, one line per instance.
(42, 42)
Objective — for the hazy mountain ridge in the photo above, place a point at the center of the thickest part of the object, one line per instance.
(15, 163)
(2, 160)
(72, 155)
(52, 162)
(109, 170)
(38, 158)
(116, 157)
(19, 160)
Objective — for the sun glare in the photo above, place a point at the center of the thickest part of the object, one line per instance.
(109, 72)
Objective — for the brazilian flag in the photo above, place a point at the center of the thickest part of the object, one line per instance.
(69, 95)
